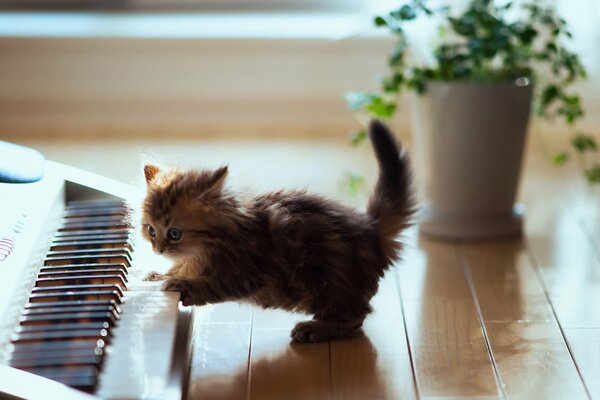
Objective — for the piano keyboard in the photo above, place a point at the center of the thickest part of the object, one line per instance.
(75, 303)
(87, 320)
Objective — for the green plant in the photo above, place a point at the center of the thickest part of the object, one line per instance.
(483, 45)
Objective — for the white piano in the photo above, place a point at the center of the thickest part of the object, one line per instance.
(76, 319)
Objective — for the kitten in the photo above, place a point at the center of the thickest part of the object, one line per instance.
(285, 249)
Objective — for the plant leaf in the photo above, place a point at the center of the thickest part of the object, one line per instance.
(404, 13)
(359, 137)
(550, 93)
(560, 158)
(593, 174)
(358, 100)
(381, 109)
(583, 142)
(380, 21)
(392, 83)
(354, 182)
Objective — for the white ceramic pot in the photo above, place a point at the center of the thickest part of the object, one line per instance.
(468, 142)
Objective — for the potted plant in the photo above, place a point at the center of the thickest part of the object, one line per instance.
(472, 105)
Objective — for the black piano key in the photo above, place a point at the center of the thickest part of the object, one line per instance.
(22, 349)
(90, 252)
(98, 351)
(95, 212)
(76, 288)
(65, 318)
(111, 258)
(63, 335)
(82, 273)
(73, 204)
(94, 232)
(58, 373)
(122, 235)
(92, 244)
(92, 219)
(63, 327)
(82, 383)
(93, 226)
(74, 303)
(76, 295)
(70, 310)
(117, 207)
(60, 361)
(79, 267)
(80, 280)
(83, 378)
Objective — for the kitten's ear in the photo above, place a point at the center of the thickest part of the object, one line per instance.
(217, 180)
(150, 172)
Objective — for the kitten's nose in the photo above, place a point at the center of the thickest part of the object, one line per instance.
(160, 249)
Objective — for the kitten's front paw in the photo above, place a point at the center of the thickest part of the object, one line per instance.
(155, 277)
(186, 288)
(308, 332)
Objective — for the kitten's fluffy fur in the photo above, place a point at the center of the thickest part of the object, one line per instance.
(286, 249)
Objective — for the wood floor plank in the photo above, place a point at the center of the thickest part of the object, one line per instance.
(276, 319)
(280, 370)
(506, 284)
(563, 252)
(450, 353)
(220, 364)
(579, 310)
(230, 312)
(533, 361)
(446, 339)
(508, 290)
(560, 224)
(430, 269)
(375, 365)
(585, 346)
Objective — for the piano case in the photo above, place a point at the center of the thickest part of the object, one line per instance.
(76, 319)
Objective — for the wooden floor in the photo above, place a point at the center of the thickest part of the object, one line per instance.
(508, 319)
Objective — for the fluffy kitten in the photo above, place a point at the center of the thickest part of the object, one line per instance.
(286, 249)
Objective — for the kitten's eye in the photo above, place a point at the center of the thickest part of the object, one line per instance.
(151, 231)
(174, 234)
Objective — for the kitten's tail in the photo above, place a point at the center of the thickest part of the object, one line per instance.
(392, 205)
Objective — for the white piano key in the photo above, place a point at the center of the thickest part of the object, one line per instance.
(138, 362)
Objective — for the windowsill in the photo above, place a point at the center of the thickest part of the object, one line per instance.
(150, 74)
(282, 25)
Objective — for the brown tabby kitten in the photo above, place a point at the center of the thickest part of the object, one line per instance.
(286, 249)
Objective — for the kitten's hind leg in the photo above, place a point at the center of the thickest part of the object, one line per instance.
(320, 330)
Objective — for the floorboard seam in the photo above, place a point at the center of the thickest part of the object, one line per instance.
(249, 365)
(538, 274)
(410, 355)
(330, 372)
(488, 345)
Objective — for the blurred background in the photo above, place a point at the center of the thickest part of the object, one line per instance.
(97, 83)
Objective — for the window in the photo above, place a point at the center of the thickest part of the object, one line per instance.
(181, 5)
